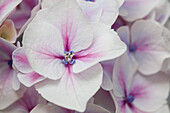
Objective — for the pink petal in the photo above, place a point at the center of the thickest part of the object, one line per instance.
(146, 97)
(6, 7)
(29, 79)
(20, 60)
(124, 70)
(73, 89)
(33, 13)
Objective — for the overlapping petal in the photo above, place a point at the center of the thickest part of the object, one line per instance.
(99, 51)
(73, 89)
(6, 7)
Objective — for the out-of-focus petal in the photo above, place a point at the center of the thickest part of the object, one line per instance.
(146, 97)
(6, 7)
(150, 47)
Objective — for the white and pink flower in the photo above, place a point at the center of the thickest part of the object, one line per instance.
(66, 50)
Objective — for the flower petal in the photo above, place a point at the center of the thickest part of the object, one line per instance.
(29, 79)
(106, 45)
(136, 9)
(91, 9)
(44, 49)
(25, 104)
(33, 13)
(146, 97)
(20, 60)
(107, 74)
(7, 93)
(74, 90)
(6, 7)
(110, 11)
(124, 70)
(150, 47)
(72, 23)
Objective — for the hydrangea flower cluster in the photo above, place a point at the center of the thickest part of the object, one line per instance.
(84, 56)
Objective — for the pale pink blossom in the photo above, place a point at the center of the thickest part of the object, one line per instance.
(67, 49)
(136, 93)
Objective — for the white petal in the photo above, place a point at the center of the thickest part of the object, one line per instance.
(73, 90)
(72, 23)
(150, 47)
(44, 49)
(106, 45)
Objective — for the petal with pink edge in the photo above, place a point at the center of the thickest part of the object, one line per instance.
(72, 23)
(124, 70)
(106, 45)
(6, 7)
(146, 97)
(29, 79)
(150, 46)
(44, 49)
(20, 60)
(74, 90)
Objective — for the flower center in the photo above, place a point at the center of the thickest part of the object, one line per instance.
(132, 48)
(90, 0)
(10, 62)
(68, 58)
(130, 99)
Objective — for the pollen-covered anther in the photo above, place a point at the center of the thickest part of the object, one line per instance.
(68, 58)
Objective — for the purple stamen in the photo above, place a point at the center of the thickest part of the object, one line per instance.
(130, 99)
(90, 0)
(68, 58)
(10, 62)
(132, 48)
